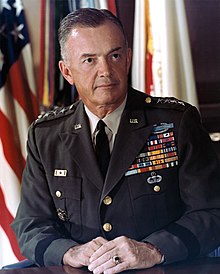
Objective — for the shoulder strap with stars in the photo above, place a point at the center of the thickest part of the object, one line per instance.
(166, 102)
(55, 114)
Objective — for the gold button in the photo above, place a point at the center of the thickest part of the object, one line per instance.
(58, 193)
(157, 188)
(107, 200)
(107, 227)
(148, 100)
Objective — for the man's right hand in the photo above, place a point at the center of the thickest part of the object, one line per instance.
(79, 255)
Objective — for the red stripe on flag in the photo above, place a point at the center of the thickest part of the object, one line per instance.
(11, 149)
(20, 109)
(5, 220)
(112, 6)
(21, 91)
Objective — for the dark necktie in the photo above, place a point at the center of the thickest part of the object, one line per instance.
(102, 148)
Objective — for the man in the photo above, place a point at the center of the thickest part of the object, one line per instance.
(158, 201)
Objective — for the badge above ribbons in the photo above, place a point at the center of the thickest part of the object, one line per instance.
(160, 151)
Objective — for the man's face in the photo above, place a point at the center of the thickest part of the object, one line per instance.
(97, 62)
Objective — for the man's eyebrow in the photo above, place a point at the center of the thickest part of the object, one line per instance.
(87, 55)
(115, 49)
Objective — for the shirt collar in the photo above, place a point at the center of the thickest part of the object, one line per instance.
(112, 120)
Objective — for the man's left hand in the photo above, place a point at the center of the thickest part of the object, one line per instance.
(122, 254)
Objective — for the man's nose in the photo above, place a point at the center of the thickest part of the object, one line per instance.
(104, 68)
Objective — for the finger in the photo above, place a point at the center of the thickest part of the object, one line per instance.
(99, 241)
(98, 267)
(101, 260)
(117, 269)
(76, 257)
(105, 248)
(94, 245)
(102, 265)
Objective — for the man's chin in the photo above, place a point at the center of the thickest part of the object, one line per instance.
(105, 89)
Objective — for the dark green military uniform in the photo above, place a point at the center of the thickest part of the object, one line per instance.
(162, 185)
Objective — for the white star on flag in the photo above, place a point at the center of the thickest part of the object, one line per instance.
(17, 32)
(5, 5)
(18, 6)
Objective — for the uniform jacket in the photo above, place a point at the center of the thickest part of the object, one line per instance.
(162, 185)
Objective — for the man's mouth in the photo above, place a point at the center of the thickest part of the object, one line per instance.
(107, 85)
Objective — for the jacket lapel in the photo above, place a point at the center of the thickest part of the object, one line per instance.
(131, 138)
(132, 135)
(77, 140)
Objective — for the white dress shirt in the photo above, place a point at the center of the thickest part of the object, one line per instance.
(111, 120)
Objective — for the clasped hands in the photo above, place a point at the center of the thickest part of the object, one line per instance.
(120, 254)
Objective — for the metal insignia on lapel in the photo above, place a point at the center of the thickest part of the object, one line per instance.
(133, 121)
(77, 126)
(60, 172)
(154, 179)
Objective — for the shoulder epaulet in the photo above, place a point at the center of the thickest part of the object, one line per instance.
(166, 102)
(55, 114)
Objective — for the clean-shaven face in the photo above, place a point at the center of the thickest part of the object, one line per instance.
(98, 62)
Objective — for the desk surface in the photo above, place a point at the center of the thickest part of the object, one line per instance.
(201, 266)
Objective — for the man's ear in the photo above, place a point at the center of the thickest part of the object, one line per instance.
(66, 72)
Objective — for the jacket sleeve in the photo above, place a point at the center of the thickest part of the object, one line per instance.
(197, 231)
(41, 235)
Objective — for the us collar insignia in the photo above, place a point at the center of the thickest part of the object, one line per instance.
(133, 121)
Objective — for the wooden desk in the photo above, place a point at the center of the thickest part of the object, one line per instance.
(201, 266)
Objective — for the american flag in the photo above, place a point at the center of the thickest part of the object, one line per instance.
(18, 108)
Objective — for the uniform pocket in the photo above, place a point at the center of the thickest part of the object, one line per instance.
(66, 193)
(155, 198)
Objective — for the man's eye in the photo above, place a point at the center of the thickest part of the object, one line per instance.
(88, 60)
(115, 56)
